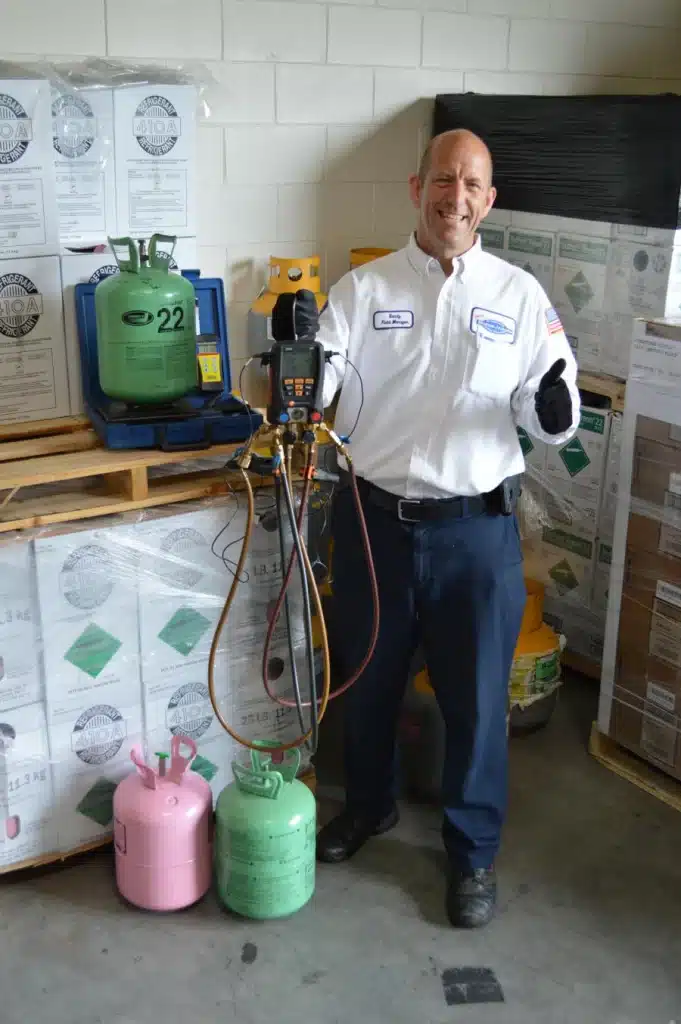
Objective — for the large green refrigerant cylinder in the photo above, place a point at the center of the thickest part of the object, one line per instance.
(146, 329)
(265, 833)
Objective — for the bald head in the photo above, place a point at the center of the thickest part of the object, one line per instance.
(451, 143)
(452, 192)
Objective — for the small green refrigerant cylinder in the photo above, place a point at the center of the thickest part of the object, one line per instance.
(265, 834)
(146, 329)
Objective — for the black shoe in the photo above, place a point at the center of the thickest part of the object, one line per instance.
(347, 833)
(471, 898)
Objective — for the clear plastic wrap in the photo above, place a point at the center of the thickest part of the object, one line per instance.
(107, 147)
(640, 701)
(105, 633)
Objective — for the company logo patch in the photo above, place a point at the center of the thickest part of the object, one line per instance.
(156, 125)
(491, 326)
(137, 317)
(553, 321)
(16, 130)
(74, 128)
(21, 304)
(387, 319)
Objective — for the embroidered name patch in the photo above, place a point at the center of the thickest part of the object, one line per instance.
(387, 319)
(553, 321)
(491, 326)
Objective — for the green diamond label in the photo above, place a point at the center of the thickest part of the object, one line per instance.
(184, 630)
(526, 444)
(579, 292)
(93, 650)
(563, 576)
(574, 457)
(97, 804)
(205, 768)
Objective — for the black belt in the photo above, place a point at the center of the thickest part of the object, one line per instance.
(501, 501)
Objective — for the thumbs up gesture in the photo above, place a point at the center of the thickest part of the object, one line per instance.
(553, 402)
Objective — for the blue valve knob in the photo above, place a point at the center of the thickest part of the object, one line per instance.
(283, 417)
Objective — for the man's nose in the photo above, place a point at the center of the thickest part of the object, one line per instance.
(456, 191)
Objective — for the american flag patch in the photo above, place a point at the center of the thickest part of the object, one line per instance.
(553, 321)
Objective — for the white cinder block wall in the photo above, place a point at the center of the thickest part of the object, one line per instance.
(319, 110)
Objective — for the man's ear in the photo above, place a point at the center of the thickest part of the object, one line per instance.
(415, 190)
(490, 200)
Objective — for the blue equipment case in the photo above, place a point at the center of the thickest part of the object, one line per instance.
(195, 422)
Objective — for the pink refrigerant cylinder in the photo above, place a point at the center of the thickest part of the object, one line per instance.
(163, 825)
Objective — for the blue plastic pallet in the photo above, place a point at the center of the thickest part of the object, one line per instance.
(178, 432)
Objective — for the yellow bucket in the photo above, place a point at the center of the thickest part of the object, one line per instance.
(366, 254)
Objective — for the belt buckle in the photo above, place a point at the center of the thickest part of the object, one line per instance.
(400, 514)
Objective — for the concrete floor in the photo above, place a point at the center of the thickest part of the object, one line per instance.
(589, 930)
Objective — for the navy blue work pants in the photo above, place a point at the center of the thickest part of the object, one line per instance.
(456, 587)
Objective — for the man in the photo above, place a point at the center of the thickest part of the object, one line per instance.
(455, 348)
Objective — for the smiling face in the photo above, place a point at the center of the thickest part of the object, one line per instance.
(453, 194)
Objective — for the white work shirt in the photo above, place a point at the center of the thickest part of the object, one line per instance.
(450, 365)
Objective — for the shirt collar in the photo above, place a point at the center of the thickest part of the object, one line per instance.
(425, 264)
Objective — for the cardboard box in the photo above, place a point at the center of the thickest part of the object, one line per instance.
(90, 751)
(564, 563)
(87, 588)
(34, 381)
(28, 209)
(644, 608)
(27, 814)
(582, 628)
(650, 614)
(534, 452)
(494, 239)
(655, 361)
(584, 338)
(155, 138)
(184, 582)
(645, 710)
(606, 521)
(580, 277)
(533, 251)
(576, 469)
(615, 331)
(83, 151)
(656, 475)
(177, 702)
(601, 586)
(643, 280)
(21, 681)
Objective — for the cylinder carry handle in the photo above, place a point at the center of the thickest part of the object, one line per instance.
(132, 264)
(161, 261)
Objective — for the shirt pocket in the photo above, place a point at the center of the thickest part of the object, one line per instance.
(494, 369)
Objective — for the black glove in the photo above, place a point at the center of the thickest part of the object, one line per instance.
(553, 402)
(295, 317)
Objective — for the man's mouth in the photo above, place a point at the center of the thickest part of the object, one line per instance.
(451, 217)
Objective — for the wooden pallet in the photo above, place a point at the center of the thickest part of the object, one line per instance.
(38, 487)
(634, 769)
(602, 384)
(309, 777)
